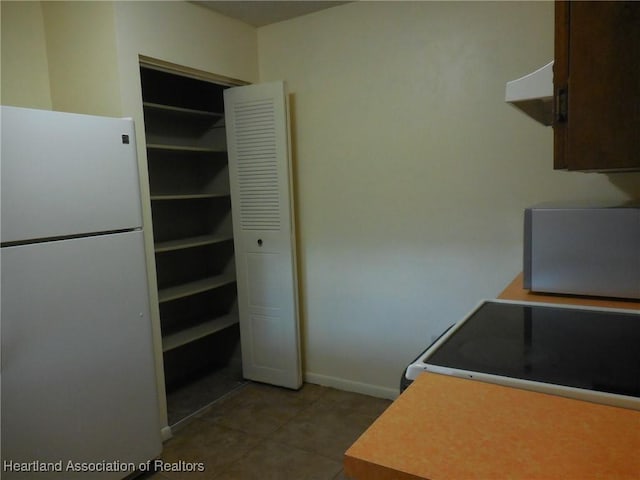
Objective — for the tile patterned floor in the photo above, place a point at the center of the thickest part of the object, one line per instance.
(268, 433)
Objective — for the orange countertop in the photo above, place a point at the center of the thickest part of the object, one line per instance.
(515, 291)
(447, 428)
(450, 428)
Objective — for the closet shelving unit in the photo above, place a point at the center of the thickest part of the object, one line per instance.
(192, 225)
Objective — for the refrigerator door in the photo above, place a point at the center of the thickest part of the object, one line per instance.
(78, 380)
(66, 174)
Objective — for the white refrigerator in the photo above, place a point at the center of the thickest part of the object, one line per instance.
(77, 375)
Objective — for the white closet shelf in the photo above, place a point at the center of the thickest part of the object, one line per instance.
(191, 242)
(201, 330)
(192, 288)
(182, 111)
(187, 196)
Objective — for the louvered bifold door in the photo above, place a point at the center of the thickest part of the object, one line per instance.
(259, 170)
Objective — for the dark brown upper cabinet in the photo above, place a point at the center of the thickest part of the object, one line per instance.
(597, 86)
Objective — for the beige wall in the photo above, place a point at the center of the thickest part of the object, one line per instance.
(411, 171)
(69, 56)
(60, 56)
(188, 35)
(81, 52)
(25, 70)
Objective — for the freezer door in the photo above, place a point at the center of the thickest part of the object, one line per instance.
(78, 379)
(66, 174)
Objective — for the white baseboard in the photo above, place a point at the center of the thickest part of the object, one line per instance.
(165, 433)
(351, 386)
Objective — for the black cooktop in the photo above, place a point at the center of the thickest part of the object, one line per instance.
(588, 349)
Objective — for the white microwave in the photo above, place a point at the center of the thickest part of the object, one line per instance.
(580, 250)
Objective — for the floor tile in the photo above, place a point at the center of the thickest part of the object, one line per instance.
(260, 410)
(350, 402)
(151, 476)
(265, 432)
(341, 476)
(330, 425)
(274, 461)
(213, 446)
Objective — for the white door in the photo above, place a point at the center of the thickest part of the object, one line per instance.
(263, 229)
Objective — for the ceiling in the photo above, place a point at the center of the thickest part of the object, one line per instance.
(260, 13)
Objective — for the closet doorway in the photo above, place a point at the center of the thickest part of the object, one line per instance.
(188, 169)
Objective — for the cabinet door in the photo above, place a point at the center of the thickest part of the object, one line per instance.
(597, 78)
(263, 230)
